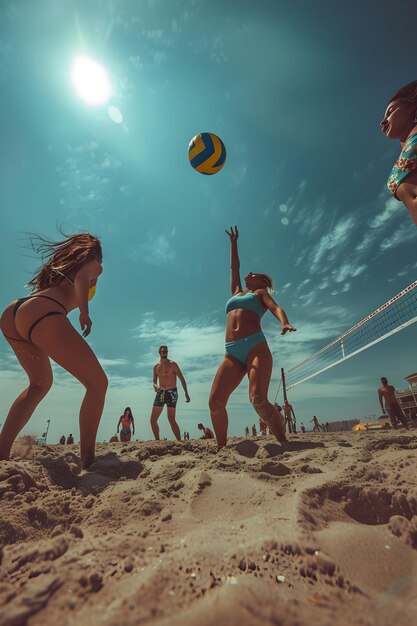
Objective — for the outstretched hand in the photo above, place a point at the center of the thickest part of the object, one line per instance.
(286, 328)
(234, 234)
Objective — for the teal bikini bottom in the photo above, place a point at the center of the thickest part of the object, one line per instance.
(240, 348)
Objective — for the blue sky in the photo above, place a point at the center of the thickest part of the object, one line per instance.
(296, 92)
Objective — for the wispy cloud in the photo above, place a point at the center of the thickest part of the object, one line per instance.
(157, 250)
(391, 208)
(402, 234)
(333, 240)
(347, 270)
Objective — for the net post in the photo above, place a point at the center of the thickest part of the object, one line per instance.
(284, 388)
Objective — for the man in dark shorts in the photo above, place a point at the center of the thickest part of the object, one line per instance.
(387, 393)
(166, 393)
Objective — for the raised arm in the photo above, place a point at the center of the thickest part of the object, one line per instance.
(182, 379)
(276, 310)
(235, 284)
(87, 274)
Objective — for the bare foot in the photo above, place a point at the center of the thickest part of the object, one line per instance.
(87, 461)
(281, 436)
(276, 425)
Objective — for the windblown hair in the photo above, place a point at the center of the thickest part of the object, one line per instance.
(269, 284)
(407, 93)
(62, 256)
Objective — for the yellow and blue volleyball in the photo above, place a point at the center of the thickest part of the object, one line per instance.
(207, 153)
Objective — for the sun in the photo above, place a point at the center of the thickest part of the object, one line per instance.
(90, 81)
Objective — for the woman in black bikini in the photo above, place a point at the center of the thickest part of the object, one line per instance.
(37, 329)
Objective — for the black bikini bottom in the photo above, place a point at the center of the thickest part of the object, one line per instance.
(21, 301)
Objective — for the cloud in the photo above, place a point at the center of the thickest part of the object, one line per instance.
(347, 270)
(197, 345)
(402, 234)
(156, 250)
(391, 208)
(334, 240)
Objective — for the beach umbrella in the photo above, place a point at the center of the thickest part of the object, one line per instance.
(359, 427)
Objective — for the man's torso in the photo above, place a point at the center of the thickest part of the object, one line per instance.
(166, 374)
(388, 394)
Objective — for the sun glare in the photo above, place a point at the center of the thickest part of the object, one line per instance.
(90, 81)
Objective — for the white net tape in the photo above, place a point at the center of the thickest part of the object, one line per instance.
(390, 318)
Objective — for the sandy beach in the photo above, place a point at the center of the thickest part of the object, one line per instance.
(322, 530)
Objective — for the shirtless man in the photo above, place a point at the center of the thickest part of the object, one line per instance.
(289, 413)
(207, 432)
(166, 393)
(387, 393)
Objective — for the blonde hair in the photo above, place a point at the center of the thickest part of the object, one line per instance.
(269, 283)
(62, 256)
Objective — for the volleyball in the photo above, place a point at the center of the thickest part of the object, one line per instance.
(207, 153)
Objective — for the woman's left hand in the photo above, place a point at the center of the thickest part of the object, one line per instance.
(287, 327)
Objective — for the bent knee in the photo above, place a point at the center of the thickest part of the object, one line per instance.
(40, 388)
(97, 381)
(216, 403)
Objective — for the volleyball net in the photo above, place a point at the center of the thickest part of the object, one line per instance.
(388, 319)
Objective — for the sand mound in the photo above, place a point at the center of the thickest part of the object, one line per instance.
(321, 530)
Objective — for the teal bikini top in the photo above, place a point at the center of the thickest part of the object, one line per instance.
(406, 163)
(248, 301)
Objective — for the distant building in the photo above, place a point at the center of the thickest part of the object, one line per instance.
(335, 427)
(407, 398)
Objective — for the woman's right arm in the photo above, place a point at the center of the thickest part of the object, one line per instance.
(235, 285)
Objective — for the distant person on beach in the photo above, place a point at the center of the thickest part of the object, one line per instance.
(37, 329)
(114, 439)
(247, 352)
(262, 426)
(207, 432)
(326, 427)
(70, 440)
(166, 392)
(62, 440)
(303, 428)
(127, 423)
(247, 431)
(254, 433)
(316, 427)
(289, 416)
(386, 394)
(400, 123)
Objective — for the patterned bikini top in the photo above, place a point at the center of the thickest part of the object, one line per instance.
(406, 163)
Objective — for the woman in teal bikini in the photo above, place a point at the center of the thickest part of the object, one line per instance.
(247, 351)
(400, 122)
(37, 329)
